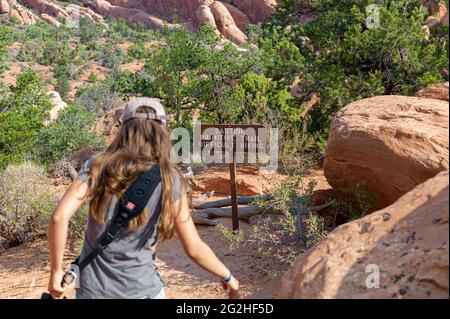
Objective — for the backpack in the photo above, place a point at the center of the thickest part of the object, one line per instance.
(130, 206)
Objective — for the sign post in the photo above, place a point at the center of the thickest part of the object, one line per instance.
(233, 189)
(222, 139)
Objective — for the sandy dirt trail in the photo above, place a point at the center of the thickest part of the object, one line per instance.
(24, 270)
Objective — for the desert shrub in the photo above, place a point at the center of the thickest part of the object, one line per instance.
(290, 227)
(93, 77)
(234, 238)
(353, 203)
(32, 50)
(23, 109)
(97, 99)
(42, 31)
(89, 30)
(138, 50)
(54, 52)
(63, 170)
(194, 72)
(78, 225)
(72, 131)
(287, 227)
(65, 69)
(124, 83)
(118, 30)
(6, 36)
(26, 203)
(63, 85)
(259, 99)
(110, 56)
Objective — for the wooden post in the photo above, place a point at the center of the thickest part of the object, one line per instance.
(234, 207)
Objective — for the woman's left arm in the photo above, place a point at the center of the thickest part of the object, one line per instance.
(57, 233)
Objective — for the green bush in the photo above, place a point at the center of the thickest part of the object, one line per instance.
(118, 30)
(190, 72)
(259, 99)
(89, 30)
(290, 227)
(65, 69)
(354, 202)
(23, 110)
(26, 203)
(341, 58)
(110, 56)
(125, 83)
(31, 51)
(44, 32)
(97, 99)
(72, 130)
(78, 225)
(138, 50)
(6, 36)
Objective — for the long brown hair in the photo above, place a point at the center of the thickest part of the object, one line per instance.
(140, 144)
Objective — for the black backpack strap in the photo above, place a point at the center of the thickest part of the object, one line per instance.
(130, 205)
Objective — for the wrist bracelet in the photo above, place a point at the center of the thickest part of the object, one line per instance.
(228, 278)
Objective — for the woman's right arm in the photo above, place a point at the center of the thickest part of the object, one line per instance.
(199, 251)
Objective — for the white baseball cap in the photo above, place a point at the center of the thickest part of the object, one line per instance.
(134, 104)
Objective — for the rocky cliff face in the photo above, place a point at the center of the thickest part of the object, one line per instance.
(11, 8)
(229, 18)
(31, 11)
(156, 13)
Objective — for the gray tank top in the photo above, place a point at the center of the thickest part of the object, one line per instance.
(126, 268)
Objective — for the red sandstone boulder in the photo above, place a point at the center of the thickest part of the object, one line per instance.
(225, 23)
(388, 144)
(436, 91)
(406, 242)
(256, 10)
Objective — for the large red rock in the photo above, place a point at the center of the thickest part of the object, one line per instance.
(204, 16)
(256, 10)
(11, 8)
(388, 144)
(436, 91)
(31, 11)
(439, 13)
(132, 16)
(406, 242)
(109, 124)
(230, 18)
(240, 18)
(4, 6)
(225, 23)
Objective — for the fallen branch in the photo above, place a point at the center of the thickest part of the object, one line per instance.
(241, 200)
(243, 212)
(202, 198)
(199, 220)
(318, 208)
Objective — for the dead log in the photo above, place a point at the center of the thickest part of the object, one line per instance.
(241, 200)
(243, 212)
(199, 220)
(202, 198)
(318, 208)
